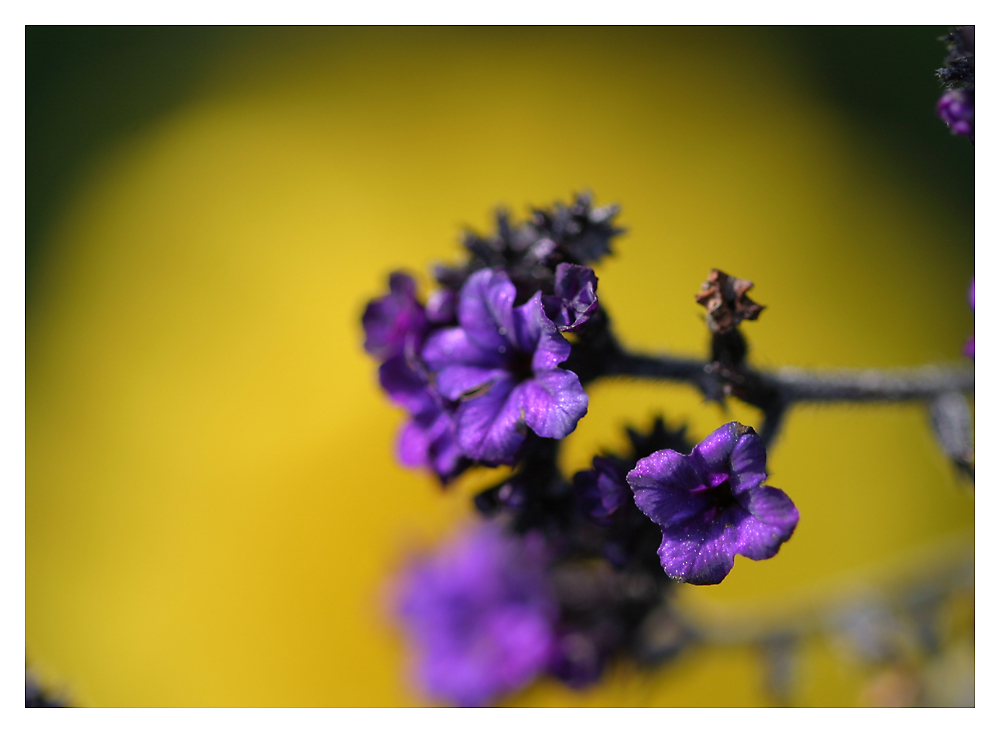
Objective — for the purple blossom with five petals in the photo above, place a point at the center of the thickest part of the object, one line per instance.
(482, 616)
(501, 363)
(713, 505)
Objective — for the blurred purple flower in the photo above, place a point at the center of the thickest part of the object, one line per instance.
(394, 321)
(481, 615)
(712, 505)
(958, 110)
(970, 345)
(501, 363)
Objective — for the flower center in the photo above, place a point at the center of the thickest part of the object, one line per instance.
(720, 499)
(519, 364)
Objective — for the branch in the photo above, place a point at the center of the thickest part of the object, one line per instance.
(793, 385)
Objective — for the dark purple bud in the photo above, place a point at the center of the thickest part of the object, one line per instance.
(575, 298)
(602, 490)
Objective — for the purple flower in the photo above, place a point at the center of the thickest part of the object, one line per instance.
(712, 505)
(602, 490)
(481, 615)
(501, 363)
(970, 345)
(957, 107)
(395, 321)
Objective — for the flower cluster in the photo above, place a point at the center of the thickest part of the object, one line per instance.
(478, 367)
(566, 577)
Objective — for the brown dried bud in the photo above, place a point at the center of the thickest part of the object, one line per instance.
(725, 298)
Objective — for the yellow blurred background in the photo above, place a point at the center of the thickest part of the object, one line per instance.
(212, 504)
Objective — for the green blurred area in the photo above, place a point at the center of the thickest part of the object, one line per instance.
(88, 86)
(212, 505)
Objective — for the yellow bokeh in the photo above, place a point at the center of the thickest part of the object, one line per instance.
(212, 502)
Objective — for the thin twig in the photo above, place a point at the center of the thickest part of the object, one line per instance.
(795, 385)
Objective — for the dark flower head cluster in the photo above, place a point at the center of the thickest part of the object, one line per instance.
(530, 252)
(478, 367)
(958, 104)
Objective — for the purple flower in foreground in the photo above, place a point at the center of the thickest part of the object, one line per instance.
(501, 362)
(970, 345)
(481, 615)
(712, 505)
(394, 321)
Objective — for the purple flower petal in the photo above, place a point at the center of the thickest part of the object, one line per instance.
(453, 346)
(553, 402)
(700, 553)
(773, 518)
(413, 445)
(405, 386)
(491, 426)
(749, 463)
(485, 309)
(666, 486)
(455, 382)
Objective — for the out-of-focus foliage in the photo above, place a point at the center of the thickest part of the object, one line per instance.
(212, 503)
